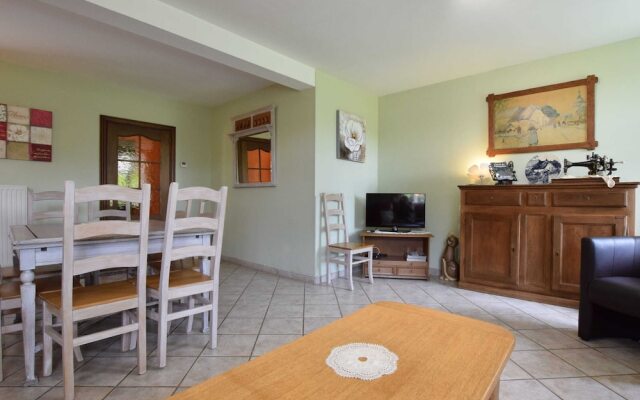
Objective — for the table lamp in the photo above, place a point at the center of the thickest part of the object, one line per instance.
(478, 173)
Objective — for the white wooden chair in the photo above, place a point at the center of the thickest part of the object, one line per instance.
(342, 252)
(37, 216)
(199, 287)
(9, 300)
(47, 278)
(71, 305)
(33, 216)
(96, 214)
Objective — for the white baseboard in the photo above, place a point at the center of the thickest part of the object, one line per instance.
(316, 280)
(271, 270)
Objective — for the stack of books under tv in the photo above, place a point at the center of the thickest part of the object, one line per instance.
(415, 255)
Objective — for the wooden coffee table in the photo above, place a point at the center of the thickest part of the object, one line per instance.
(441, 356)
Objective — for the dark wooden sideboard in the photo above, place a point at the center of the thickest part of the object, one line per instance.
(524, 240)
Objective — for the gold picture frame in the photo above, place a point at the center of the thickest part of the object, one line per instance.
(553, 117)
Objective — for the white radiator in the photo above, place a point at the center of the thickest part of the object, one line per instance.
(13, 211)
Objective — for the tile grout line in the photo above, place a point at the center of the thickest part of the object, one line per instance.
(263, 317)
(234, 304)
(220, 324)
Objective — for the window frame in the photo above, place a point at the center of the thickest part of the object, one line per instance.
(238, 134)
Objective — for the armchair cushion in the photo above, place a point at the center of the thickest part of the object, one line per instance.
(617, 293)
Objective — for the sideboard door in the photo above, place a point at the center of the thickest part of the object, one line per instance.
(535, 253)
(491, 248)
(568, 232)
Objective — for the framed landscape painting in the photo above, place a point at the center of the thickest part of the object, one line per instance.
(553, 117)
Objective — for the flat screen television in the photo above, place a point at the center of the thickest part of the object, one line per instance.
(396, 210)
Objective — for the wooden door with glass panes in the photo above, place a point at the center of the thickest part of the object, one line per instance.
(133, 153)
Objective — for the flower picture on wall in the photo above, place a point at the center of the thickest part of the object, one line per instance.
(553, 117)
(351, 134)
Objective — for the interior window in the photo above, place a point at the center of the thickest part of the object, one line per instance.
(254, 145)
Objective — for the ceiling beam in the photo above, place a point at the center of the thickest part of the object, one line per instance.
(163, 23)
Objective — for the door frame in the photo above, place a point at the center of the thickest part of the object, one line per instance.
(169, 130)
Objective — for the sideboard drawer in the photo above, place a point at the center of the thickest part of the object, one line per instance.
(536, 199)
(590, 199)
(493, 198)
(381, 270)
(422, 272)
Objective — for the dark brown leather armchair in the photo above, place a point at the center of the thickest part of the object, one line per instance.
(610, 288)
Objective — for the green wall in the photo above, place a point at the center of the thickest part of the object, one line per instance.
(77, 104)
(431, 135)
(333, 175)
(272, 226)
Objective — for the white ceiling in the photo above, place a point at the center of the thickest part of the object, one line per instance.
(41, 36)
(393, 45)
(383, 45)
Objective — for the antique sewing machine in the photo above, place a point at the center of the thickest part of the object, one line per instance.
(594, 163)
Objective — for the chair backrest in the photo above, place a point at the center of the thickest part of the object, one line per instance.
(334, 218)
(73, 232)
(44, 197)
(96, 214)
(205, 222)
(188, 207)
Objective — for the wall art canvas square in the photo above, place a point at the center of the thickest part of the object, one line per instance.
(41, 135)
(18, 115)
(18, 133)
(553, 117)
(25, 133)
(352, 135)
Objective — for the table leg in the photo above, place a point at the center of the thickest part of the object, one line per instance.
(28, 297)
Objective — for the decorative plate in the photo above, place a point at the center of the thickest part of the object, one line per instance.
(362, 361)
(541, 169)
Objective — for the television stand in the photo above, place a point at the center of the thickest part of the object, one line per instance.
(395, 245)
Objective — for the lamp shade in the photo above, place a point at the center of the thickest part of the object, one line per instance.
(478, 173)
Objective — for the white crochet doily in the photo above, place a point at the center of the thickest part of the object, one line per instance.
(362, 361)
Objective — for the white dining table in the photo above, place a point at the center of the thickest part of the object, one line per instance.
(40, 245)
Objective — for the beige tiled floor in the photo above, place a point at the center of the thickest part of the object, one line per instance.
(259, 312)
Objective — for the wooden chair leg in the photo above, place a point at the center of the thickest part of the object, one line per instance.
(192, 303)
(370, 266)
(141, 337)
(67, 359)
(134, 340)
(76, 350)
(1, 374)
(126, 337)
(169, 311)
(162, 333)
(328, 255)
(205, 317)
(213, 342)
(47, 341)
(349, 269)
